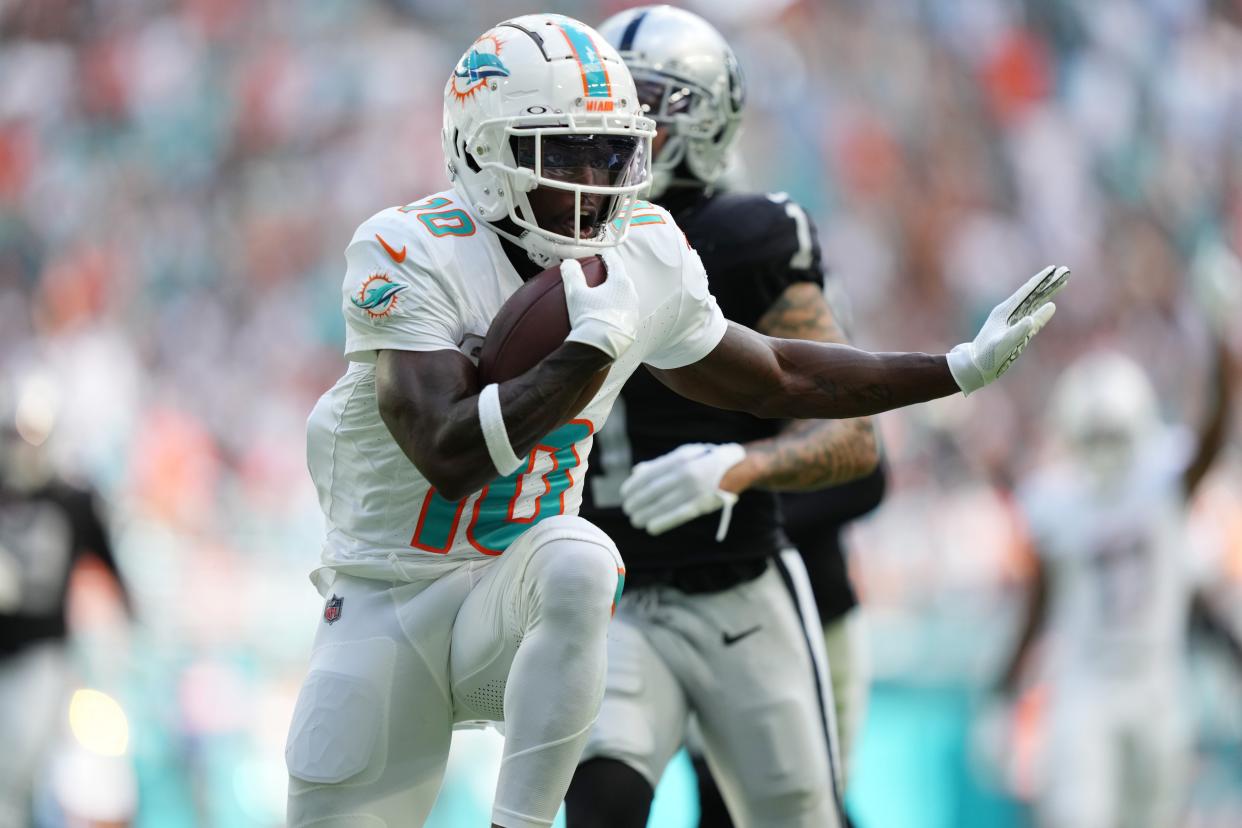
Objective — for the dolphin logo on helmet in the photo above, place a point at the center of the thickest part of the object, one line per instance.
(477, 65)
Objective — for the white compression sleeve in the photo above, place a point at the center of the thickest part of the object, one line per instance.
(494, 433)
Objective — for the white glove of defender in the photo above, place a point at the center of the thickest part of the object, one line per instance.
(680, 486)
(605, 316)
(1009, 327)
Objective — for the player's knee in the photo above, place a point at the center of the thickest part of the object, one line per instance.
(577, 580)
(606, 793)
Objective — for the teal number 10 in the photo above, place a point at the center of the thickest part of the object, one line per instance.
(494, 522)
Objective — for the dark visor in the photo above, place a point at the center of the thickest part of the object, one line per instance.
(663, 98)
(571, 157)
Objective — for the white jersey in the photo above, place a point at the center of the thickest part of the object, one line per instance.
(1117, 565)
(431, 276)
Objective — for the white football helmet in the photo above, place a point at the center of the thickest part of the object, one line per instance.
(1104, 408)
(543, 101)
(689, 82)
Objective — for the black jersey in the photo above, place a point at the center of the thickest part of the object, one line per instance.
(42, 535)
(753, 248)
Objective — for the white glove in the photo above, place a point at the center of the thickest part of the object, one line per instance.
(605, 316)
(1008, 328)
(681, 485)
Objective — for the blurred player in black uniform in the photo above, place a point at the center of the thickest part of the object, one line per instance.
(46, 526)
(717, 618)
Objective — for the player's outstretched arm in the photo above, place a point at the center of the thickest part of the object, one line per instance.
(1214, 429)
(1218, 285)
(1032, 624)
(1207, 615)
(770, 377)
(91, 536)
(699, 479)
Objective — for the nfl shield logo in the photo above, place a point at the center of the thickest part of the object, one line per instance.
(332, 612)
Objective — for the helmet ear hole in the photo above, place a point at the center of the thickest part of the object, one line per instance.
(470, 162)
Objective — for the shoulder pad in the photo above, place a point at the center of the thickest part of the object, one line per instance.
(387, 222)
(756, 228)
(411, 230)
(653, 228)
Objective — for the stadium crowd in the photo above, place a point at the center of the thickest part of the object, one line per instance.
(178, 179)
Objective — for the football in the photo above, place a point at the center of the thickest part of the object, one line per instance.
(533, 323)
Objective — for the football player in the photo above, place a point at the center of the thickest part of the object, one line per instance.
(47, 525)
(715, 620)
(460, 585)
(1113, 591)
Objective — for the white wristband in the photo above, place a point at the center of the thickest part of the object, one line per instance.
(494, 432)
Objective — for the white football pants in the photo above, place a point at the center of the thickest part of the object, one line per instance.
(1118, 753)
(33, 686)
(846, 645)
(519, 638)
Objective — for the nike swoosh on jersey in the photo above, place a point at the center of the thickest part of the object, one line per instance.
(396, 257)
(730, 640)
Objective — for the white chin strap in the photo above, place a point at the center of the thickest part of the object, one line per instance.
(543, 251)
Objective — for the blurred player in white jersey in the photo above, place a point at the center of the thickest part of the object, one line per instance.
(1113, 592)
(459, 583)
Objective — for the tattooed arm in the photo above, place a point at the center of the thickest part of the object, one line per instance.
(807, 454)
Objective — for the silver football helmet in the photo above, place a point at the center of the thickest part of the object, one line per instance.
(689, 82)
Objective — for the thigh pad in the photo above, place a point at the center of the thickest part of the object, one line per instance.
(339, 722)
